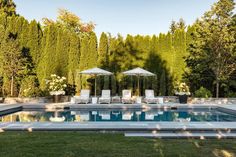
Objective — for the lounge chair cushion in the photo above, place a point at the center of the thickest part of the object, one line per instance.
(149, 97)
(84, 96)
(106, 97)
(126, 96)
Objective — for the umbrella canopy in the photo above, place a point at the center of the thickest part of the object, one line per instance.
(95, 72)
(138, 72)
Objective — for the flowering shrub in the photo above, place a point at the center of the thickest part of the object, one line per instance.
(56, 85)
(182, 89)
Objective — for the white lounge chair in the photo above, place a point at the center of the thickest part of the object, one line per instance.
(84, 97)
(126, 97)
(150, 98)
(106, 97)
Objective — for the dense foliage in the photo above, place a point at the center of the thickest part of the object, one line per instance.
(203, 93)
(67, 46)
(212, 56)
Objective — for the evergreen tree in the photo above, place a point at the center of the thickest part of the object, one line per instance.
(92, 56)
(189, 35)
(34, 39)
(73, 58)
(103, 51)
(173, 27)
(3, 21)
(179, 45)
(24, 33)
(12, 61)
(92, 50)
(83, 65)
(117, 51)
(8, 7)
(181, 24)
(84, 57)
(62, 50)
(103, 61)
(11, 23)
(47, 64)
(18, 22)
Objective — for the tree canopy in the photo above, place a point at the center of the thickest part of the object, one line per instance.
(212, 50)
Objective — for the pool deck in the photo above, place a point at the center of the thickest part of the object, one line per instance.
(145, 129)
(113, 106)
(119, 126)
(185, 134)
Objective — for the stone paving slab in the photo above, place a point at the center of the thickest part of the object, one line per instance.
(182, 135)
(231, 107)
(119, 126)
(7, 107)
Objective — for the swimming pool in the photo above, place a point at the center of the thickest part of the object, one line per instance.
(114, 115)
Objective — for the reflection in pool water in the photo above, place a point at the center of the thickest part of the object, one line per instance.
(118, 115)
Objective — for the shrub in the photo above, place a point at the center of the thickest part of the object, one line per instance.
(203, 93)
(56, 85)
(29, 87)
(231, 94)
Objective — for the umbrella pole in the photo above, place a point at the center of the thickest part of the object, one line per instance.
(138, 85)
(95, 85)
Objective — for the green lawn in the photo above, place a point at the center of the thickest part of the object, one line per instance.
(77, 144)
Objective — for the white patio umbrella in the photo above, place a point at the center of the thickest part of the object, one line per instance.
(138, 72)
(95, 72)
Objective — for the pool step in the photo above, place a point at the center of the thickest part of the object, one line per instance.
(183, 135)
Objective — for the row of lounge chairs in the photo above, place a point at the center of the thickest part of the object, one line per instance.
(127, 97)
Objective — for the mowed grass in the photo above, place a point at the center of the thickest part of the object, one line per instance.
(77, 144)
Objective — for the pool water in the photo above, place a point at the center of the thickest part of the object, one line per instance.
(180, 115)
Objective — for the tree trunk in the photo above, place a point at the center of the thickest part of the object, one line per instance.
(3, 91)
(217, 88)
(12, 84)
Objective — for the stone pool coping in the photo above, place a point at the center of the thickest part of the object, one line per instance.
(117, 126)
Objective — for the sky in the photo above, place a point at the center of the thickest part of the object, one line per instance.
(145, 17)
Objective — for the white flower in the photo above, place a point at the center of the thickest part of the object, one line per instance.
(57, 83)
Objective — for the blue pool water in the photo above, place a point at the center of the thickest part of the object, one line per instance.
(181, 115)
